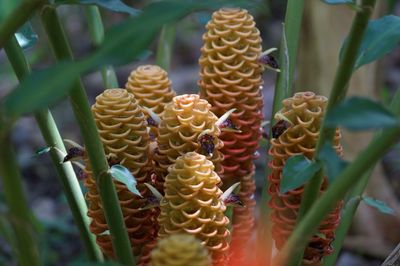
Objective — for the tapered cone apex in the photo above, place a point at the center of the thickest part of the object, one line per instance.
(122, 128)
(180, 250)
(192, 205)
(231, 77)
(305, 110)
(151, 87)
(243, 224)
(187, 125)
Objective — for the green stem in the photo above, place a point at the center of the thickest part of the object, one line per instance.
(346, 219)
(347, 216)
(65, 171)
(338, 92)
(338, 189)
(165, 46)
(293, 17)
(287, 57)
(93, 145)
(26, 246)
(16, 19)
(96, 30)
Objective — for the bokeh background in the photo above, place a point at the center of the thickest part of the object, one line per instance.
(373, 235)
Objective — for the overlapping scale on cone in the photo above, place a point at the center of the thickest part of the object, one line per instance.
(187, 125)
(192, 205)
(231, 77)
(180, 250)
(305, 110)
(122, 128)
(151, 87)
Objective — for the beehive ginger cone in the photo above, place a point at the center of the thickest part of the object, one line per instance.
(122, 128)
(231, 77)
(151, 87)
(187, 125)
(305, 110)
(192, 205)
(180, 250)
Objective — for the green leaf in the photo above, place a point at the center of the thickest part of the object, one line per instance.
(297, 171)
(6, 7)
(358, 113)
(43, 150)
(113, 5)
(381, 37)
(378, 204)
(26, 37)
(50, 86)
(333, 164)
(339, 2)
(123, 175)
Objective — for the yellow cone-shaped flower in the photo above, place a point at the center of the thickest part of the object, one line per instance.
(231, 77)
(187, 125)
(180, 250)
(305, 110)
(192, 205)
(151, 87)
(122, 128)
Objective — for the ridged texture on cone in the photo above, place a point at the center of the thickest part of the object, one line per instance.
(243, 223)
(151, 87)
(180, 250)
(192, 205)
(122, 128)
(231, 77)
(306, 111)
(184, 120)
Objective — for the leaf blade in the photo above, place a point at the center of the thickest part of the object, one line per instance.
(123, 175)
(378, 204)
(297, 171)
(358, 113)
(112, 5)
(332, 162)
(381, 37)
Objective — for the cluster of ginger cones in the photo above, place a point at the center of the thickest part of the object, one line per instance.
(188, 148)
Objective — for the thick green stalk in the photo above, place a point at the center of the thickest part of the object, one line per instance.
(27, 251)
(338, 92)
(65, 171)
(96, 30)
(287, 63)
(307, 226)
(16, 19)
(347, 216)
(93, 145)
(165, 46)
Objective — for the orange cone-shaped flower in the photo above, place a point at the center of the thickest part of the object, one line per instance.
(180, 250)
(192, 204)
(187, 125)
(122, 129)
(151, 87)
(305, 110)
(230, 77)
